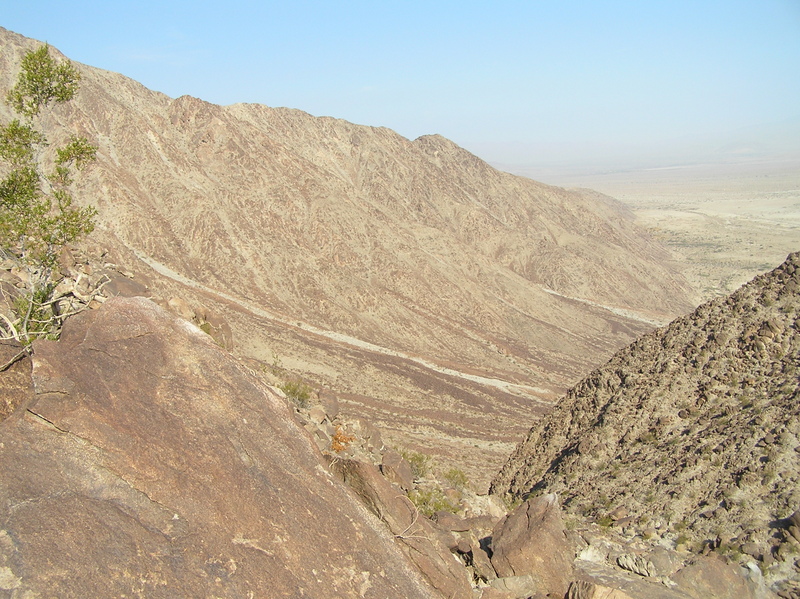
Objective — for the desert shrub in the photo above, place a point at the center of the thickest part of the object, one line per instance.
(430, 501)
(647, 438)
(341, 440)
(511, 502)
(297, 391)
(420, 463)
(456, 478)
(605, 521)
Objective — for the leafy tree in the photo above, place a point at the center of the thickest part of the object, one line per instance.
(37, 214)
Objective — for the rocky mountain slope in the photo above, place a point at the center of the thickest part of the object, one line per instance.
(691, 435)
(439, 297)
(140, 459)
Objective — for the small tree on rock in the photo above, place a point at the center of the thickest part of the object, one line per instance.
(37, 214)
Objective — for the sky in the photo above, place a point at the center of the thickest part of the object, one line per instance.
(516, 82)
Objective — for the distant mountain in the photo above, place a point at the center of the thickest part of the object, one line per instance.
(438, 296)
(691, 434)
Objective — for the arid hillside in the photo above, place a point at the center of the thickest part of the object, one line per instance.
(444, 300)
(689, 436)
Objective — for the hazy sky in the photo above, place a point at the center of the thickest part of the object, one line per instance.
(509, 80)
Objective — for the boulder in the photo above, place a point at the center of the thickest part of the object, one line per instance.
(493, 593)
(397, 470)
(520, 587)
(582, 589)
(532, 541)
(600, 580)
(151, 463)
(637, 564)
(449, 521)
(794, 519)
(710, 576)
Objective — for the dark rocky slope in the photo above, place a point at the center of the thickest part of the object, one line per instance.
(691, 435)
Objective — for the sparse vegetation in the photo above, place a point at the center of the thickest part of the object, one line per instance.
(277, 365)
(647, 438)
(430, 501)
(605, 521)
(511, 502)
(420, 463)
(297, 391)
(456, 478)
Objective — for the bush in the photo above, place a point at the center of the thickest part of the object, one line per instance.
(341, 440)
(420, 463)
(456, 478)
(297, 391)
(430, 501)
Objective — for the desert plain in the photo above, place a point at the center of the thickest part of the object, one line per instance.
(725, 221)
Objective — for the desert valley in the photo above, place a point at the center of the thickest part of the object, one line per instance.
(318, 359)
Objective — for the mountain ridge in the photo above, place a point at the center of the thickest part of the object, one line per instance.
(415, 246)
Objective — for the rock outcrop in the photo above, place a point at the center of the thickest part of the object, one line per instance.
(152, 463)
(690, 436)
(532, 541)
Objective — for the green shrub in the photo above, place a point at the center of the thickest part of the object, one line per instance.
(37, 215)
(456, 478)
(297, 391)
(420, 463)
(605, 521)
(430, 501)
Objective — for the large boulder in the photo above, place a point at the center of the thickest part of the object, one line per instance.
(532, 541)
(710, 576)
(150, 463)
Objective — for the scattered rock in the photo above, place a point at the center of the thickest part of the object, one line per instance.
(416, 535)
(724, 468)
